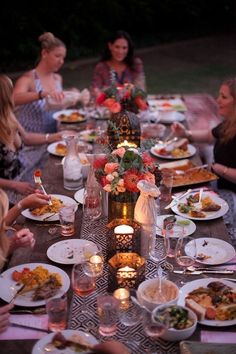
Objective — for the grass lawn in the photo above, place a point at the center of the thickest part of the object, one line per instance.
(192, 66)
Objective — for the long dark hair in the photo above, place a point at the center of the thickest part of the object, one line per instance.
(228, 128)
(129, 59)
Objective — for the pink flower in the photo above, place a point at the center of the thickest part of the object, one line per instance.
(111, 167)
(119, 152)
(141, 103)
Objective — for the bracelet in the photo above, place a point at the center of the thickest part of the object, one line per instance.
(40, 95)
(19, 206)
(47, 137)
(224, 171)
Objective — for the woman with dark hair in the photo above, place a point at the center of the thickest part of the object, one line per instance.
(118, 64)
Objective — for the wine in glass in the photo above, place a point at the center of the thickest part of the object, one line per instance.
(185, 252)
(92, 203)
(82, 284)
(152, 328)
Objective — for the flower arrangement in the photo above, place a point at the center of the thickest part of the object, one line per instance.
(126, 96)
(123, 168)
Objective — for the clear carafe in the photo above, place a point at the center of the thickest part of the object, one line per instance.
(72, 167)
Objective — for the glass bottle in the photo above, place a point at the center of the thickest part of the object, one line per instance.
(72, 167)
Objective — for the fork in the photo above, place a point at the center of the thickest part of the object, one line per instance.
(38, 181)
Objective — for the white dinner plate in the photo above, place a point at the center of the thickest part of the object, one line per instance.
(67, 333)
(63, 198)
(215, 250)
(6, 281)
(51, 148)
(79, 196)
(188, 229)
(210, 215)
(70, 251)
(68, 112)
(168, 117)
(164, 105)
(88, 135)
(195, 284)
(191, 152)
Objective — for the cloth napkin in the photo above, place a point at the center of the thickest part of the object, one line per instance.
(38, 321)
(218, 337)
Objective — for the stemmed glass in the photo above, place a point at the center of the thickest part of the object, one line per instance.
(130, 316)
(158, 249)
(82, 284)
(185, 252)
(94, 262)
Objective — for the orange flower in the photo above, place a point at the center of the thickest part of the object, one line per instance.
(109, 102)
(115, 108)
(131, 179)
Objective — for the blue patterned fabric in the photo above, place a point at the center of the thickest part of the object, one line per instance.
(33, 116)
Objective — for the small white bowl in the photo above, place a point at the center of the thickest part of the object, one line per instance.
(172, 334)
(147, 293)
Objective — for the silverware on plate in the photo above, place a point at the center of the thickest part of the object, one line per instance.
(177, 199)
(197, 272)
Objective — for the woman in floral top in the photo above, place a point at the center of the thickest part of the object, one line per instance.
(118, 64)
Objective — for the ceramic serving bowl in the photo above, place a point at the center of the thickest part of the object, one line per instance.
(181, 322)
(149, 295)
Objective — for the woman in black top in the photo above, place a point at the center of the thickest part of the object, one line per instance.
(223, 136)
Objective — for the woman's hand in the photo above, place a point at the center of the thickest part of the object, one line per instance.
(4, 316)
(23, 187)
(35, 200)
(178, 129)
(22, 238)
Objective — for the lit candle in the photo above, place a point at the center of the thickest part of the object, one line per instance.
(122, 295)
(125, 273)
(124, 229)
(127, 143)
(96, 263)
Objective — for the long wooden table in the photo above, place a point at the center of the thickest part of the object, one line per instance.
(53, 178)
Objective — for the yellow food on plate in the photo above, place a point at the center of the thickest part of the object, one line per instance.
(61, 149)
(73, 117)
(54, 208)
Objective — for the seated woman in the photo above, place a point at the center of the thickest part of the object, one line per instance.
(12, 138)
(22, 238)
(118, 64)
(224, 138)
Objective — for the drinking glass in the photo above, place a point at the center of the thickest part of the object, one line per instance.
(152, 328)
(67, 220)
(56, 308)
(158, 249)
(166, 185)
(185, 252)
(92, 206)
(130, 316)
(82, 284)
(94, 262)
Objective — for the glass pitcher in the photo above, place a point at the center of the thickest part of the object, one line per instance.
(72, 167)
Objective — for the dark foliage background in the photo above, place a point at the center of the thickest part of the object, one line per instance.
(85, 24)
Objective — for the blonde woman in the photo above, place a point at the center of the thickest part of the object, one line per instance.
(22, 238)
(12, 138)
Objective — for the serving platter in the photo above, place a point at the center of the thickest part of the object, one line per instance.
(197, 176)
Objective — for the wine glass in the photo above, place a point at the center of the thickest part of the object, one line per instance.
(82, 284)
(185, 252)
(130, 316)
(158, 249)
(151, 327)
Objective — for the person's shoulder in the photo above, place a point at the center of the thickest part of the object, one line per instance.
(27, 76)
(101, 65)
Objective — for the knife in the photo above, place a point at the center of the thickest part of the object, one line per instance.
(12, 324)
(197, 272)
(176, 200)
